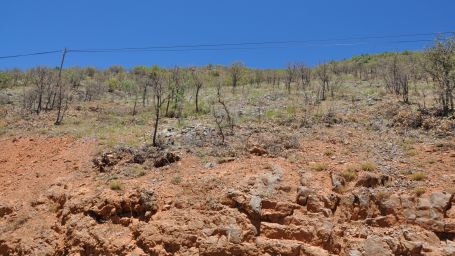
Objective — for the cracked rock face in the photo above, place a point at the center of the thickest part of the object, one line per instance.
(253, 216)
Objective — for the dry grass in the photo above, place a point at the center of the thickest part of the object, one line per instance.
(349, 174)
(176, 180)
(319, 166)
(368, 166)
(418, 176)
(419, 191)
(116, 185)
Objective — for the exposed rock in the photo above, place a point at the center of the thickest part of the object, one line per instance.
(168, 158)
(302, 195)
(5, 209)
(338, 182)
(440, 203)
(376, 246)
(257, 150)
(369, 180)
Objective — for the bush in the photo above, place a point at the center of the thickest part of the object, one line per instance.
(319, 166)
(419, 191)
(116, 185)
(349, 174)
(368, 166)
(176, 180)
(418, 176)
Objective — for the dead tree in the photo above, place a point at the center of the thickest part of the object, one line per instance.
(397, 78)
(198, 82)
(304, 75)
(323, 73)
(439, 63)
(291, 72)
(236, 72)
(158, 91)
(219, 118)
(41, 78)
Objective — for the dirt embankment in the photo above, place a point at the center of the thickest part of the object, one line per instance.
(55, 202)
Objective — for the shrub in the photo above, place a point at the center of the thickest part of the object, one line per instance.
(319, 166)
(368, 166)
(419, 191)
(418, 176)
(116, 185)
(349, 174)
(176, 180)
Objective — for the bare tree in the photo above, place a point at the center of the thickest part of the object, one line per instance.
(440, 64)
(258, 77)
(291, 73)
(323, 73)
(141, 74)
(396, 77)
(41, 78)
(156, 83)
(236, 72)
(198, 82)
(304, 73)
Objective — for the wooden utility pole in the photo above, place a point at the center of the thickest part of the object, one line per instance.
(60, 96)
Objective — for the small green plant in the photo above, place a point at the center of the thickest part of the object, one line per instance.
(319, 166)
(418, 176)
(419, 191)
(270, 114)
(176, 180)
(368, 166)
(116, 185)
(291, 110)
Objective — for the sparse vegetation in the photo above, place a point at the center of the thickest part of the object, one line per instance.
(418, 176)
(116, 185)
(247, 140)
(419, 191)
(176, 180)
(349, 174)
(319, 166)
(368, 166)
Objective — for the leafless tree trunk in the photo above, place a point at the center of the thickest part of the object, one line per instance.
(323, 73)
(304, 75)
(158, 91)
(290, 76)
(236, 72)
(198, 82)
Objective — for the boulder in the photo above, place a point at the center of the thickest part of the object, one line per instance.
(369, 180)
(5, 210)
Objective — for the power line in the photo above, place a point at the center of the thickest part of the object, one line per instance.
(245, 48)
(258, 43)
(29, 54)
(247, 45)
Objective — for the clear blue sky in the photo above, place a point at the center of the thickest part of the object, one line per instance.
(28, 26)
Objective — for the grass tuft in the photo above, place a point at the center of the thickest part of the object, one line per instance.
(418, 176)
(319, 166)
(116, 185)
(368, 166)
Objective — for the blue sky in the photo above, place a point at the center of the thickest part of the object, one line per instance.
(29, 26)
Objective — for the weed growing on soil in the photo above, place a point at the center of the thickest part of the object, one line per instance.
(368, 166)
(418, 176)
(116, 185)
(319, 166)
